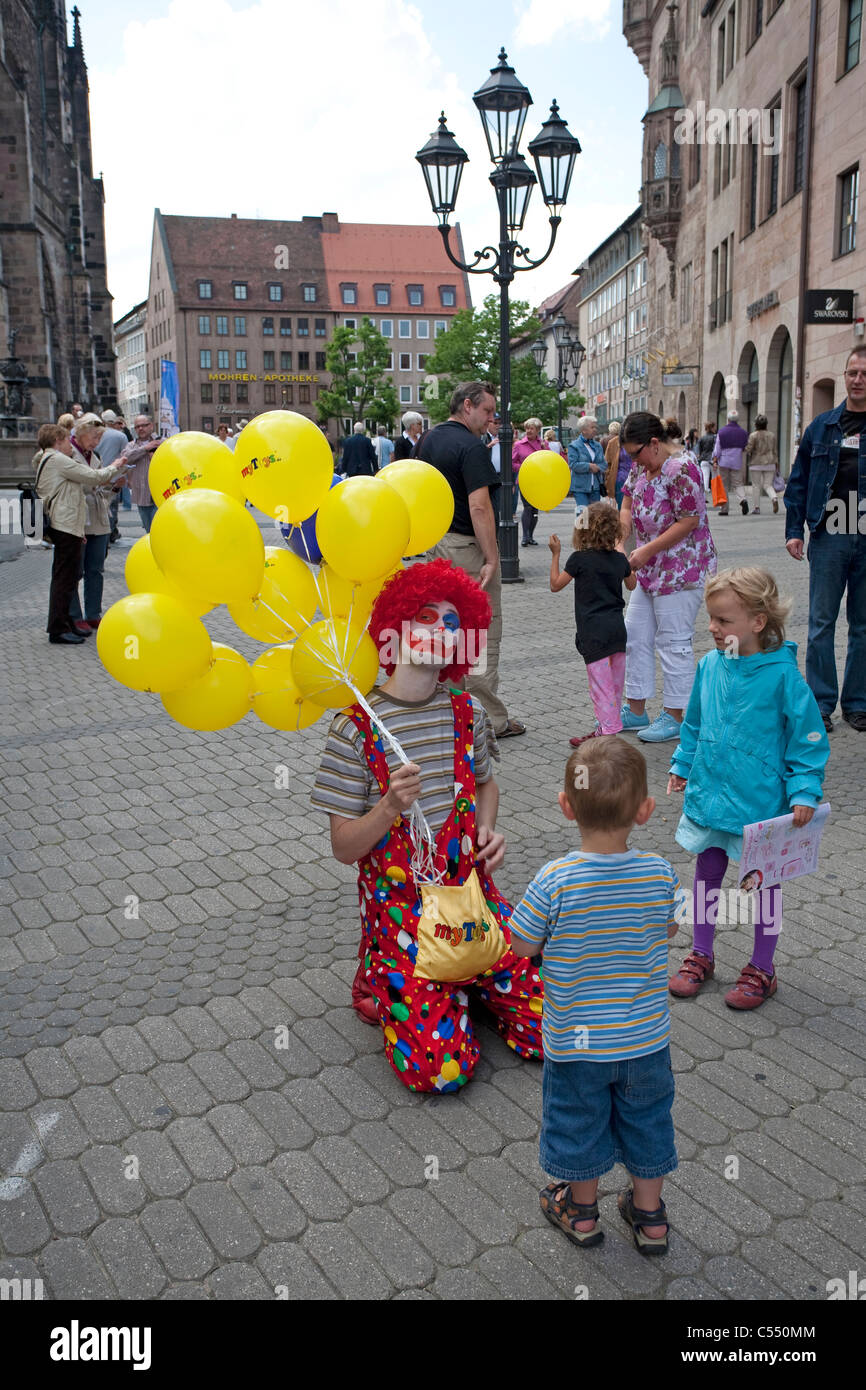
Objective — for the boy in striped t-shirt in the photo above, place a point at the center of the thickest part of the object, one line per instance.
(603, 915)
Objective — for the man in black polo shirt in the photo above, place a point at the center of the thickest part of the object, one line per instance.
(455, 448)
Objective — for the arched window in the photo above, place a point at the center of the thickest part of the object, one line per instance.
(660, 161)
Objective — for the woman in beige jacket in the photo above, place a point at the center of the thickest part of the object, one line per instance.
(762, 456)
(62, 483)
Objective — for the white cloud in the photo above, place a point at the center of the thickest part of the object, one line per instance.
(545, 20)
(276, 110)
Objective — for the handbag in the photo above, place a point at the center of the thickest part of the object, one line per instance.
(778, 482)
(718, 493)
(459, 934)
(30, 504)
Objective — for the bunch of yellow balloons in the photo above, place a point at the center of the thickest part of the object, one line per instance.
(205, 549)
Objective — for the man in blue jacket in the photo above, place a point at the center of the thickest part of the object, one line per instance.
(827, 492)
(359, 457)
(586, 461)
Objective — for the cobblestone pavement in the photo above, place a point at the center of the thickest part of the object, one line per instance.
(168, 916)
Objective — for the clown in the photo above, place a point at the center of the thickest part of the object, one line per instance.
(423, 835)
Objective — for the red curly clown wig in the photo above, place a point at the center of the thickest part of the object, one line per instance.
(436, 581)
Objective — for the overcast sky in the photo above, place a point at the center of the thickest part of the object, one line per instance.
(285, 108)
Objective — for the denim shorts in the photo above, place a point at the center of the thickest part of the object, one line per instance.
(597, 1114)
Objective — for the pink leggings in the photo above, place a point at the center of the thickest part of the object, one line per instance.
(709, 873)
(606, 684)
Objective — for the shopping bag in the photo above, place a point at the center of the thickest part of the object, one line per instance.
(717, 489)
(778, 482)
(459, 936)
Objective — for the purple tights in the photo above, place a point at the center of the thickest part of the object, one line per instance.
(709, 873)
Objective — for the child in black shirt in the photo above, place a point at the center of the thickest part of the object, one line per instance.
(599, 567)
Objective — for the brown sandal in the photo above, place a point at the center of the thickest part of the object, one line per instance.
(560, 1210)
(512, 729)
(637, 1219)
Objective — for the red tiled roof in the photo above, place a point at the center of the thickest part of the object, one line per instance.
(368, 254)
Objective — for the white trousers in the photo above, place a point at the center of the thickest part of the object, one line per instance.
(662, 624)
(762, 481)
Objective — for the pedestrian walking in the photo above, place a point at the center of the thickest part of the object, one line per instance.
(705, 446)
(762, 456)
(664, 502)
(520, 451)
(751, 748)
(827, 492)
(731, 440)
(598, 567)
(359, 456)
(603, 915)
(586, 461)
(383, 446)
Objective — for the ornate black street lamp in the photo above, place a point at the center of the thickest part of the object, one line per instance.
(570, 354)
(503, 102)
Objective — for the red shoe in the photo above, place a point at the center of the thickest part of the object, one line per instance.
(93, 623)
(363, 998)
(751, 989)
(692, 974)
(582, 738)
(81, 627)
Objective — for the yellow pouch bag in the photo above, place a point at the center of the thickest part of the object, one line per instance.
(459, 935)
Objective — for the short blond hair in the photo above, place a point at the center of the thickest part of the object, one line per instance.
(614, 427)
(66, 421)
(605, 783)
(758, 592)
(533, 422)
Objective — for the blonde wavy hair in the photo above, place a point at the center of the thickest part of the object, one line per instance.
(758, 592)
(614, 427)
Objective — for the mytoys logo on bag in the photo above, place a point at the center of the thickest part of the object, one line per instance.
(455, 935)
(254, 464)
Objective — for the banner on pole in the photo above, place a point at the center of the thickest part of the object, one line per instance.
(169, 399)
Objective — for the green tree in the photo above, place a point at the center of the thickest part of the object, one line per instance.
(469, 351)
(357, 359)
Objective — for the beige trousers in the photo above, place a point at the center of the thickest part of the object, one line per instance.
(465, 552)
(733, 481)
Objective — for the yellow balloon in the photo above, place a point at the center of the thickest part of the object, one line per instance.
(208, 544)
(219, 699)
(193, 459)
(338, 597)
(153, 642)
(143, 576)
(331, 654)
(427, 496)
(276, 699)
(544, 479)
(286, 603)
(362, 528)
(286, 465)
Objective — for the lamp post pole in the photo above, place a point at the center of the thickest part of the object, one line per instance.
(503, 102)
(570, 354)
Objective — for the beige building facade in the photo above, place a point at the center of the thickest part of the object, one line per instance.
(614, 322)
(753, 140)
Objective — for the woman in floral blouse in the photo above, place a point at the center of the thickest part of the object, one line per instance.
(673, 556)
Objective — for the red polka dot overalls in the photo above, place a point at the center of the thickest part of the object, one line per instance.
(428, 1035)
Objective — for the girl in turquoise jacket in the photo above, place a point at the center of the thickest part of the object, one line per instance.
(752, 746)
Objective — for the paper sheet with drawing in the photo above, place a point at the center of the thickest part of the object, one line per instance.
(775, 851)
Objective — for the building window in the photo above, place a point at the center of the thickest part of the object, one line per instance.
(853, 20)
(440, 326)
(349, 294)
(350, 323)
(404, 328)
(285, 361)
(222, 325)
(405, 395)
(204, 324)
(383, 295)
(773, 175)
(205, 289)
(303, 361)
(206, 392)
(849, 194)
(270, 393)
(269, 361)
(240, 360)
(386, 328)
(422, 361)
(686, 293)
(204, 359)
(288, 394)
(799, 136)
(422, 328)
(240, 327)
(207, 424)
(303, 395)
(243, 392)
(321, 328)
(757, 19)
(285, 328)
(447, 296)
(731, 39)
(267, 328)
(223, 360)
(303, 328)
(389, 365)
(309, 294)
(320, 361)
(405, 361)
(240, 289)
(225, 393)
(275, 293)
(415, 295)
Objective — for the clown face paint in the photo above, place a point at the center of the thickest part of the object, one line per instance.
(430, 639)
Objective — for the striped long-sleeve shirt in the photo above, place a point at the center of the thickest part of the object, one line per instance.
(603, 921)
